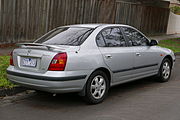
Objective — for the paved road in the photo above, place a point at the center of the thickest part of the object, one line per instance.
(141, 100)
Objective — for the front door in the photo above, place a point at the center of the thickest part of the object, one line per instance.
(145, 57)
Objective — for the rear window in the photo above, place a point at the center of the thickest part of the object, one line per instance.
(72, 36)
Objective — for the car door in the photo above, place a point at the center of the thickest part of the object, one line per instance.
(117, 56)
(145, 56)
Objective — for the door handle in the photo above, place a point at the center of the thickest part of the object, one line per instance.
(138, 54)
(108, 56)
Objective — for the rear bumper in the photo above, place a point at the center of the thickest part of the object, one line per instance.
(51, 83)
(46, 78)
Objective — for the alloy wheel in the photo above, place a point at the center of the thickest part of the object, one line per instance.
(166, 70)
(98, 87)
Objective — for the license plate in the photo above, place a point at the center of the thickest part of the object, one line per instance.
(29, 62)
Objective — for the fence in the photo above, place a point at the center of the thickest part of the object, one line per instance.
(149, 19)
(26, 20)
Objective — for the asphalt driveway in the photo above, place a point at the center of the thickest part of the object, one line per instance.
(140, 100)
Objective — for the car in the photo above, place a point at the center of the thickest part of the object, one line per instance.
(88, 59)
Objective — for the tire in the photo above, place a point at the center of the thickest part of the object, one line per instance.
(97, 87)
(165, 71)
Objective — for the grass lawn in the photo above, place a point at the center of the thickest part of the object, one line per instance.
(4, 63)
(173, 44)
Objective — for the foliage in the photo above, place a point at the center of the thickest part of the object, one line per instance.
(4, 63)
(175, 10)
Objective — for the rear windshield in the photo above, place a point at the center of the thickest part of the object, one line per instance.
(72, 36)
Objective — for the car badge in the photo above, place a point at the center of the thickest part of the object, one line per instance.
(28, 52)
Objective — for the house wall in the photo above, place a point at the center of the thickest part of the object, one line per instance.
(173, 24)
(174, 3)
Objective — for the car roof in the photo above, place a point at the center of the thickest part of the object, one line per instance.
(94, 25)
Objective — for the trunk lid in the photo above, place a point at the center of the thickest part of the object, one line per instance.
(37, 57)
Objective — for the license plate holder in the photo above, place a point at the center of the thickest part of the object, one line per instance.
(29, 62)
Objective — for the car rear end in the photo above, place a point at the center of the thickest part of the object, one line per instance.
(44, 70)
(47, 67)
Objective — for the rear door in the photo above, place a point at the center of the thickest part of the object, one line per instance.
(117, 56)
(145, 56)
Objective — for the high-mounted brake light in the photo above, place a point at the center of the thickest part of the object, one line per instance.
(11, 59)
(58, 63)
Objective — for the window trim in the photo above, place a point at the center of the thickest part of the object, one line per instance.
(127, 39)
(104, 39)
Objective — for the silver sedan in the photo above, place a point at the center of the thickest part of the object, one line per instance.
(88, 59)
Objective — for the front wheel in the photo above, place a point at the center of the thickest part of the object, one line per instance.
(165, 70)
(97, 87)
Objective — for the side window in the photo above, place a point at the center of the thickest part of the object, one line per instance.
(100, 40)
(134, 37)
(112, 37)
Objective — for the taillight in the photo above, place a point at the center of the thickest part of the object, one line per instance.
(58, 63)
(11, 59)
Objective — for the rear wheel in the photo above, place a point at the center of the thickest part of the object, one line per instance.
(97, 87)
(165, 70)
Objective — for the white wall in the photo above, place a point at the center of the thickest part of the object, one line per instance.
(174, 24)
(174, 1)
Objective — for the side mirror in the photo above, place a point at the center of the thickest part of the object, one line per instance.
(153, 42)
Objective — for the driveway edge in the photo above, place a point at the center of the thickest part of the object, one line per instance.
(11, 91)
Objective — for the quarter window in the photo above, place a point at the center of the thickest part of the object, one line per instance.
(135, 38)
(111, 37)
(100, 40)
